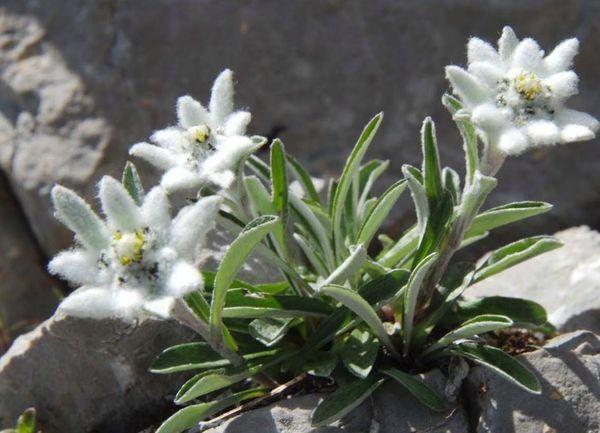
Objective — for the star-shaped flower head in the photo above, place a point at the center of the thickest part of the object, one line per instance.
(516, 97)
(206, 146)
(137, 259)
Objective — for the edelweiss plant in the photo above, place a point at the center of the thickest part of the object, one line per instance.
(338, 312)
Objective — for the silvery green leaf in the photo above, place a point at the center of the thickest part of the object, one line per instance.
(411, 295)
(417, 388)
(419, 196)
(232, 261)
(379, 212)
(468, 133)
(349, 267)
(506, 214)
(79, 217)
(313, 226)
(132, 183)
(475, 196)
(342, 401)
(359, 352)
(515, 253)
(190, 416)
(353, 301)
(403, 248)
(279, 180)
(259, 167)
(348, 177)
(472, 327)
(432, 174)
(260, 200)
(501, 363)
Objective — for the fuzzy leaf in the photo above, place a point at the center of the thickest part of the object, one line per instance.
(26, 422)
(349, 267)
(279, 180)
(432, 174)
(321, 364)
(379, 212)
(362, 309)
(132, 183)
(501, 363)
(348, 175)
(472, 327)
(515, 253)
(417, 388)
(412, 293)
(207, 382)
(468, 133)
(311, 253)
(403, 248)
(367, 176)
(342, 401)
(506, 214)
(232, 261)
(190, 416)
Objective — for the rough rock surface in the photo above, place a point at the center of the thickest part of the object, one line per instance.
(89, 376)
(569, 370)
(82, 80)
(27, 293)
(391, 410)
(565, 281)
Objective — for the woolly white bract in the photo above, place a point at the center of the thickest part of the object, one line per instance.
(515, 96)
(206, 146)
(138, 259)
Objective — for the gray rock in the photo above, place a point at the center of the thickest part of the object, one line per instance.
(82, 80)
(565, 281)
(391, 410)
(27, 293)
(87, 375)
(569, 370)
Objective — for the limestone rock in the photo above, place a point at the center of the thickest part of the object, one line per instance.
(86, 375)
(569, 370)
(565, 281)
(27, 293)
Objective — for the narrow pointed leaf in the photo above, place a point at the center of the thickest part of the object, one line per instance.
(432, 172)
(411, 294)
(506, 214)
(362, 309)
(279, 180)
(348, 175)
(132, 183)
(349, 267)
(379, 212)
(515, 253)
(468, 133)
(521, 311)
(234, 258)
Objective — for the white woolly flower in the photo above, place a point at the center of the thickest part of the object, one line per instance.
(137, 259)
(206, 146)
(515, 96)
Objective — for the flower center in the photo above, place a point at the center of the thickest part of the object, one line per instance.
(199, 133)
(528, 85)
(129, 247)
